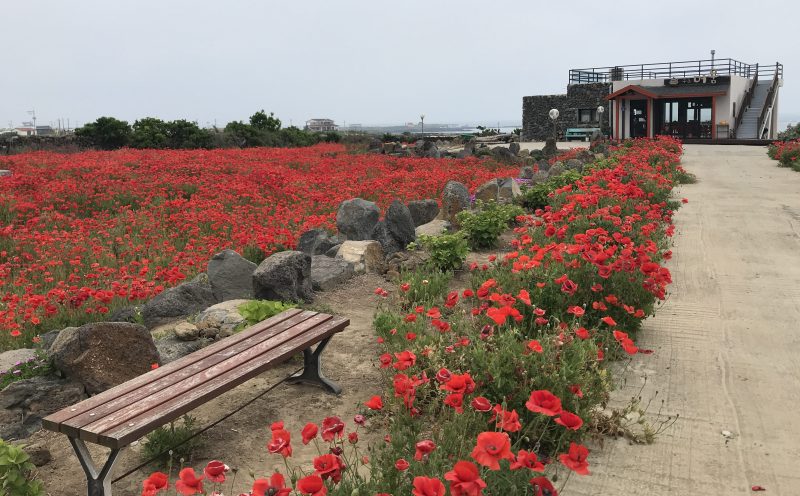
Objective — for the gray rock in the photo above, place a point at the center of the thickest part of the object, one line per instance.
(12, 358)
(469, 146)
(508, 189)
(186, 331)
(556, 170)
(171, 348)
(455, 198)
(544, 165)
(525, 153)
(181, 301)
(124, 314)
(382, 235)
(433, 228)
(230, 276)
(49, 338)
(423, 211)
(366, 256)
(574, 164)
(101, 355)
(327, 273)
(430, 150)
(514, 148)
(333, 251)
(316, 241)
(356, 219)
(24, 403)
(284, 276)
(539, 177)
(400, 223)
(503, 154)
(223, 316)
(526, 172)
(550, 149)
(487, 191)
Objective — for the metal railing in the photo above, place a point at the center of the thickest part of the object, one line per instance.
(748, 98)
(768, 103)
(681, 69)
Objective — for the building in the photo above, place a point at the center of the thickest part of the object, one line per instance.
(696, 101)
(25, 131)
(320, 125)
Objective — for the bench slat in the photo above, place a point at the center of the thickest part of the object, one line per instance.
(302, 321)
(53, 421)
(155, 412)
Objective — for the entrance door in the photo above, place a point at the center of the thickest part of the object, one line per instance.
(638, 118)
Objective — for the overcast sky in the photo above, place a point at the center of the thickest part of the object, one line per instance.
(366, 62)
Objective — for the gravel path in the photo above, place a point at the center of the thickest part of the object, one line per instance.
(726, 341)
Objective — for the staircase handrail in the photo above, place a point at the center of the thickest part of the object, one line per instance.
(768, 103)
(748, 98)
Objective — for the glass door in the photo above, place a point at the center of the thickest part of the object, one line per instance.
(638, 118)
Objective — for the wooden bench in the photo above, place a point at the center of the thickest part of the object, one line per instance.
(125, 413)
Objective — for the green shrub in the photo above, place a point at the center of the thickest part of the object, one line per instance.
(448, 251)
(39, 365)
(172, 442)
(17, 472)
(536, 196)
(256, 311)
(107, 133)
(485, 225)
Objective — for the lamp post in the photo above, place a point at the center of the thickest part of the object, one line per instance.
(422, 122)
(600, 110)
(554, 117)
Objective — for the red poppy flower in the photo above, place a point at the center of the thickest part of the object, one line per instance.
(434, 313)
(543, 487)
(575, 459)
(582, 333)
(280, 443)
(374, 403)
(576, 311)
(544, 402)
(467, 293)
(386, 360)
(158, 481)
(465, 479)
(215, 471)
(609, 321)
(491, 448)
(309, 432)
(274, 486)
(576, 390)
(535, 346)
(481, 404)
(311, 485)
(569, 420)
(524, 297)
(527, 459)
(423, 448)
(456, 401)
(460, 383)
(411, 317)
(329, 466)
(188, 483)
(405, 359)
(401, 464)
(425, 486)
(405, 287)
(505, 420)
(332, 427)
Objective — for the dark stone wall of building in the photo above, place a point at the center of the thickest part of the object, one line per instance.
(536, 124)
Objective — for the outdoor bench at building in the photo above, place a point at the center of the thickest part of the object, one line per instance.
(125, 413)
(583, 133)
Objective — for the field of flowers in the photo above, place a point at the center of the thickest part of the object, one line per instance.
(494, 386)
(787, 153)
(81, 234)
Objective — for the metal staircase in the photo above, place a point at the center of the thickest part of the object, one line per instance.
(749, 127)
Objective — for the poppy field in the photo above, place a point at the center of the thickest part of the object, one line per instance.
(82, 234)
(494, 380)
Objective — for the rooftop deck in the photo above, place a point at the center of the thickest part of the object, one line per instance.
(687, 68)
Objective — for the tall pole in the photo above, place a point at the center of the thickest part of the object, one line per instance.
(422, 122)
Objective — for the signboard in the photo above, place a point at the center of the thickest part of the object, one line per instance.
(709, 80)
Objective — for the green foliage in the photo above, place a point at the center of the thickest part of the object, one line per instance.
(185, 134)
(791, 133)
(536, 196)
(106, 133)
(253, 253)
(172, 442)
(17, 472)
(149, 133)
(448, 251)
(39, 365)
(255, 311)
(484, 225)
(260, 120)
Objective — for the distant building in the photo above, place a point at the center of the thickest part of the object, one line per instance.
(45, 131)
(320, 125)
(24, 131)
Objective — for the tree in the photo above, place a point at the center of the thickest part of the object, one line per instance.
(260, 120)
(149, 133)
(185, 134)
(107, 133)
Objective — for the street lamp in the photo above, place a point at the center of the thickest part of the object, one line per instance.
(600, 110)
(422, 121)
(554, 116)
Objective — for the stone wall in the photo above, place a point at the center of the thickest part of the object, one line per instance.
(537, 126)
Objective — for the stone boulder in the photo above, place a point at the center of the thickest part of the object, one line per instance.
(333, 251)
(400, 223)
(574, 164)
(356, 219)
(487, 191)
(171, 348)
(525, 153)
(128, 313)
(181, 301)
(101, 355)
(284, 276)
(539, 177)
(526, 172)
(10, 359)
(544, 165)
(429, 150)
(550, 149)
(382, 235)
(514, 148)
(556, 169)
(186, 331)
(455, 198)
(503, 154)
(327, 273)
(435, 227)
(508, 189)
(423, 211)
(223, 317)
(366, 256)
(24, 403)
(230, 276)
(317, 241)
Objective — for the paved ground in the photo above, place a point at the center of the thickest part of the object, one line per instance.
(727, 343)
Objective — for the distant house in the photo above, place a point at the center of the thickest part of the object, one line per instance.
(320, 125)
(24, 131)
(45, 131)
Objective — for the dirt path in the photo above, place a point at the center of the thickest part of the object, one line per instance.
(726, 341)
(240, 441)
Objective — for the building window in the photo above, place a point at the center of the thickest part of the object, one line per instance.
(586, 116)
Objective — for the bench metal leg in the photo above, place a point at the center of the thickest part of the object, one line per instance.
(98, 483)
(312, 370)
